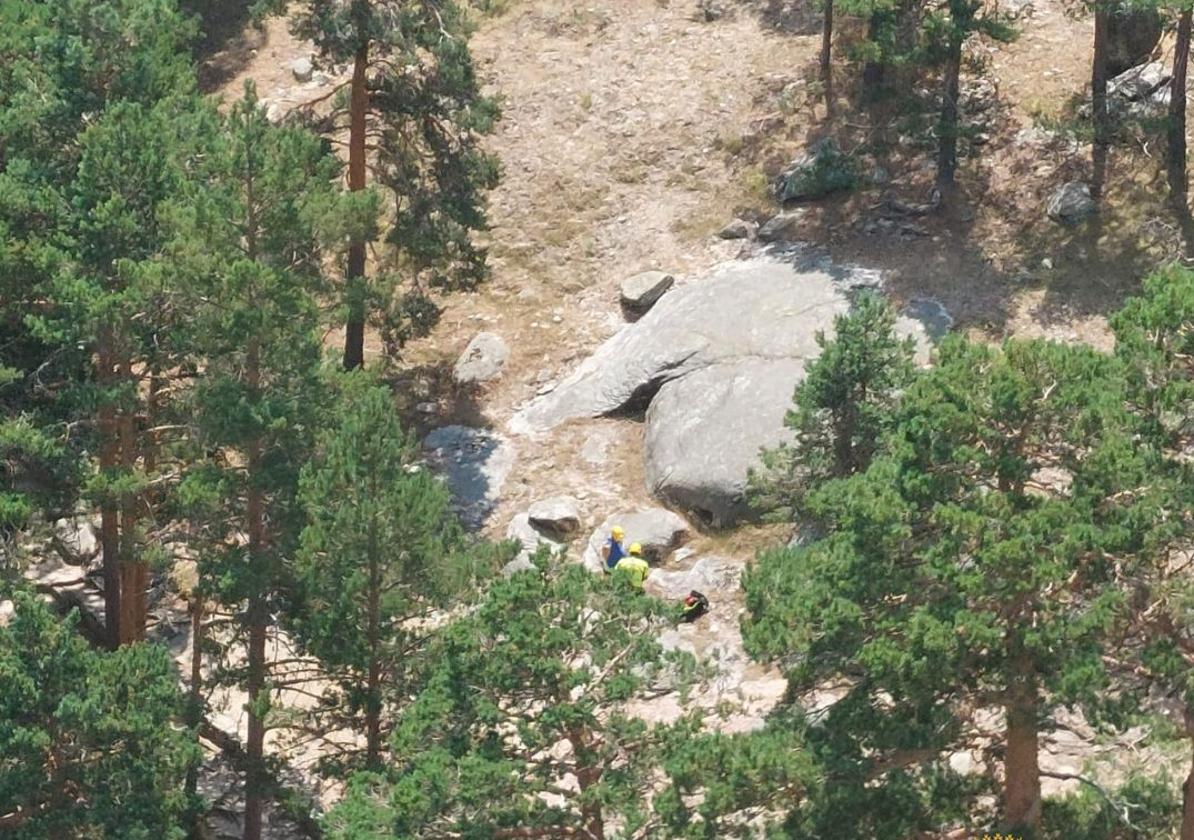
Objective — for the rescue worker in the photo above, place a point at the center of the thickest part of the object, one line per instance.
(613, 550)
(634, 566)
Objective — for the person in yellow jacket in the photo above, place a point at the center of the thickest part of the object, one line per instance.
(634, 566)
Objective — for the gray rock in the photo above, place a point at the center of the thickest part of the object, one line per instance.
(523, 531)
(822, 170)
(481, 360)
(77, 540)
(709, 576)
(302, 69)
(1138, 82)
(659, 531)
(475, 463)
(1131, 37)
(737, 229)
(784, 227)
(930, 314)
(558, 515)
(275, 112)
(705, 429)
(715, 363)
(1070, 203)
(642, 291)
(521, 563)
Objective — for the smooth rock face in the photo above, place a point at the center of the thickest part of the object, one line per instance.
(302, 69)
(79, 538)
(1070, 203)
(715, 363)
(482, 360)
(711, 576)
(703, 429)
(659, 531)
(475, 463)
(640, 292)
(558, 515)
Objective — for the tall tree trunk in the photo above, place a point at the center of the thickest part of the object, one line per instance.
(872, 71)
(373, 687)
(947, 124)
(133, 577)
(827, 57)
(1021, 767)
(1176, 155)
(354, 281)
(1098, 103)
(109, 460)
(257, 618)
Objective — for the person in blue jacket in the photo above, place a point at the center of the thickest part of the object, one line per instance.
(614, 548)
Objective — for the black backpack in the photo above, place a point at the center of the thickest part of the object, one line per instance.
(694, 606)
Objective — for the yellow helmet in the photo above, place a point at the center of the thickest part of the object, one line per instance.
(636, 549)
(618, 532)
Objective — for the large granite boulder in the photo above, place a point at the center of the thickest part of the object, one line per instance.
(714, 365)
(659, 531)
(711, 576)
(1132, 35)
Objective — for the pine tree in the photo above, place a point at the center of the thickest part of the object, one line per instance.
(382, 548)
(949, 27)
(414, 101)
(246, 244)
(529, 688)
(88, 741)
(843, 406)
(84, 163)
(1155, 338)
(974, 565)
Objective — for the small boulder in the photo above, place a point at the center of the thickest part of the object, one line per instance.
(824, 169)
(482, 360)
(77, 540)
(302, 69)
(1138, 82)
(640, 292)
(521, 563)
(1070, 203)
(781, 228)
(737, 229)
(657, 530)
(558, 515)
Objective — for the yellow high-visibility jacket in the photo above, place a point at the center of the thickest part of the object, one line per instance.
(636, 567)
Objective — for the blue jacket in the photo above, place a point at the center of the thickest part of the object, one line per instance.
(616, 553)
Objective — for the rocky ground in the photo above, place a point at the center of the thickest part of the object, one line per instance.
(633, 133)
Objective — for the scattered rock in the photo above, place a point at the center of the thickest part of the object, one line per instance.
(521, 563)
(737, 229)
(878, 175)
(783, 227)
(481, 360)
(930, 315)
(659, 531)
(824, 169)
(714, 364)
(559, 515)
(475, 463)
(1070, 203)
(977, 95)
(530, 539)
(642, 291)
(275, 112)
(302, 69)
(76, 540)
